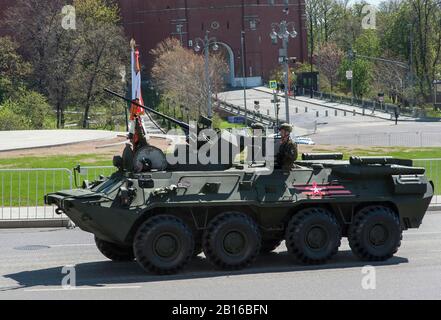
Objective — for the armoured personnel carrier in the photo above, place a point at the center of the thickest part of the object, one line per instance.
(162, 215)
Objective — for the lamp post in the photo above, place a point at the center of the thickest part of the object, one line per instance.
(284, 31)
(204, 44)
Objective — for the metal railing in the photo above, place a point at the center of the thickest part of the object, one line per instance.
(384, 139)
(22, 190)
(362, 103)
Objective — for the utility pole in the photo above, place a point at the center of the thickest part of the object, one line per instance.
(244, 80)
(284, 31)
(204, 44)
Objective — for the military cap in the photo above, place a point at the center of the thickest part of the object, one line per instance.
(257, 126)
(286, 126)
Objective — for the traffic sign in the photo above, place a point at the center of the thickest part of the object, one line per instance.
(273, 84)
(349, 75)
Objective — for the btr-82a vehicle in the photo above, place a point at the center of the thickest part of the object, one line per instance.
(163, 215)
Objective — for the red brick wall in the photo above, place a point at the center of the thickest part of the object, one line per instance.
(151, 21)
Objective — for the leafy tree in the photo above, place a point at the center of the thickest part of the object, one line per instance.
(104, 51)
(329, 59)
(179, 74)
(13, 69)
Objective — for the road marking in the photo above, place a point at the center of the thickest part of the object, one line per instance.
(78, 289)
(421, 233)
(72, 245)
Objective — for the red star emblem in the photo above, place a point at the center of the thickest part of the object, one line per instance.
(316, 191)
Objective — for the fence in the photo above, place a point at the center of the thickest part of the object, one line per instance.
(384, 139)
(362, 103)
(22, 190)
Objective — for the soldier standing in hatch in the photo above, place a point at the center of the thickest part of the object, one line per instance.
(288, 151)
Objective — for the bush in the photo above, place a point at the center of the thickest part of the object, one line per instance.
(27, 110)
(9, 120)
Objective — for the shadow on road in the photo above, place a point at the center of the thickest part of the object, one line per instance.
(110, 273)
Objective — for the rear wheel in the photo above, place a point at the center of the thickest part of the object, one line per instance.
(232, 241)
(113, 251)
(163, 244)
(375, 234)
(313, 236)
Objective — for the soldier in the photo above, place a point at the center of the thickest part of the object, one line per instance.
(288, 151)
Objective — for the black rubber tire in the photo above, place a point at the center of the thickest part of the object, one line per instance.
(361, 236)
(238, 229)
(176, 237)
(313, 236)
(113, 251)
(269, 245)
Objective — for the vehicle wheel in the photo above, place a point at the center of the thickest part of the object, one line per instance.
(375, 234)
(163, 244)
(313, 236)
(113, 251)
(232, 241)
(269, 245)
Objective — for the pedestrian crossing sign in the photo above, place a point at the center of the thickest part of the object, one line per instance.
(273, 84)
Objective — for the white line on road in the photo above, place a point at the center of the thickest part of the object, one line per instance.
(82, 288)
(72, 245)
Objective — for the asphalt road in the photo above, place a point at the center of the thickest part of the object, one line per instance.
(415, 273)
(344, 130)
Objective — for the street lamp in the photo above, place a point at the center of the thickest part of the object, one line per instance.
(204, 44)
(284, 31)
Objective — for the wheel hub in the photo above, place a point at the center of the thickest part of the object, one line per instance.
(234, 242)
(166, 246)
(378, 235)
(317, 237)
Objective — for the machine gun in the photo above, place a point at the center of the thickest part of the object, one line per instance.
(144, 157)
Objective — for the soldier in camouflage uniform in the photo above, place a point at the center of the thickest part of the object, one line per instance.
(288, 151)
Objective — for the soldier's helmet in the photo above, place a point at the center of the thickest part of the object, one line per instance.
(257, 126)
(287, 127)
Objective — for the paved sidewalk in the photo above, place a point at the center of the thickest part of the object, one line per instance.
(27, 139)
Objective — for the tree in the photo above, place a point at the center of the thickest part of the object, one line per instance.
(102, 55)
(51, 49)
(13, 69)
(328, 60)
(70, 66)
(179, 74)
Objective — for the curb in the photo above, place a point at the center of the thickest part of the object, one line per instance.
(35, 223)
(434, 207)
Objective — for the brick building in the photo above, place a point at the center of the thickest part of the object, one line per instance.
(152, 21)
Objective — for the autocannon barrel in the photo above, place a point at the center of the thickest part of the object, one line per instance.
(183, 125)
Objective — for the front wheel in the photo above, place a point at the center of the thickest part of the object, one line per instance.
(113, 251)
(163, 245)
(375, 234)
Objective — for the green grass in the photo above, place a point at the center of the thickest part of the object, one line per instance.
(27, 188)
(397, 152)
(226, 125)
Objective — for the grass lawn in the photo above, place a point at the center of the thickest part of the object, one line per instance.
(27, 188)
(226, 125)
